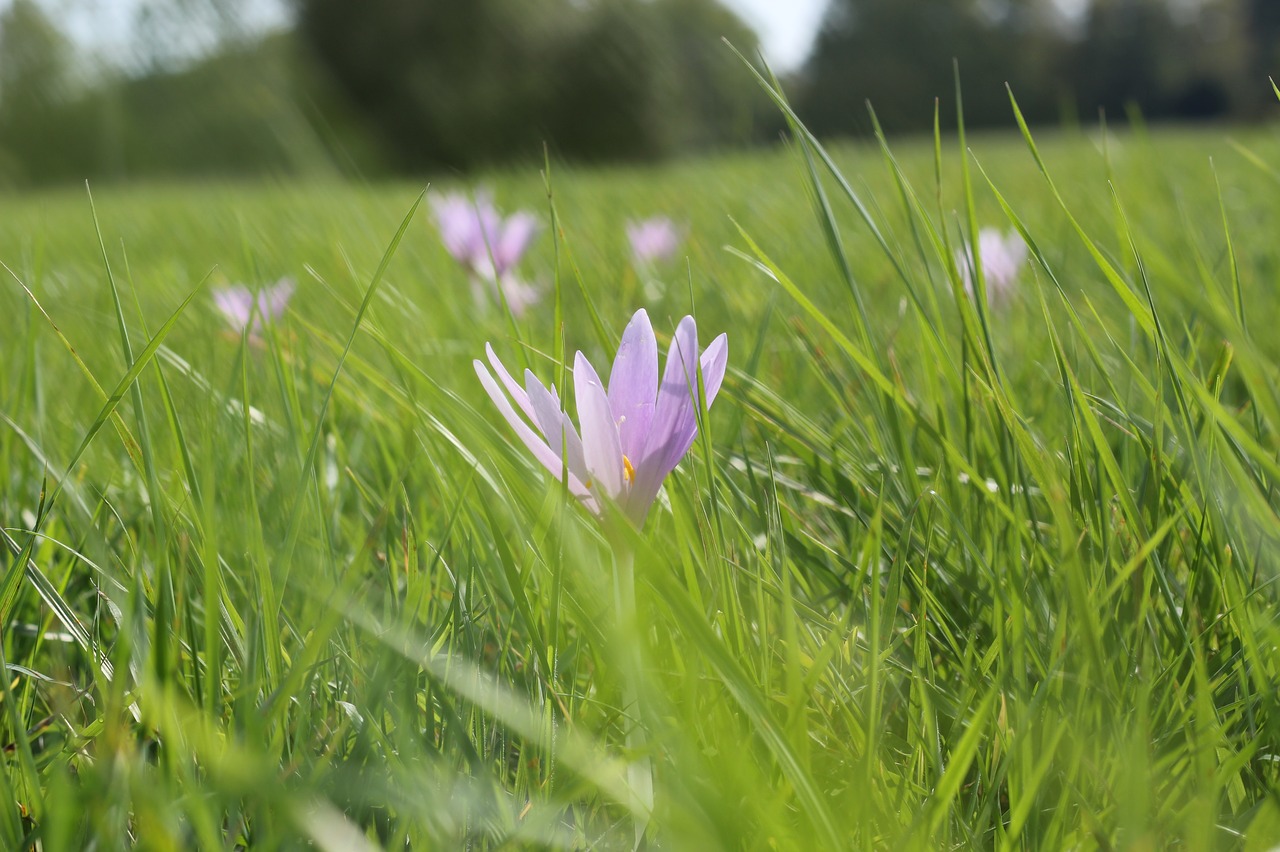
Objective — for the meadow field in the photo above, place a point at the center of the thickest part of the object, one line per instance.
(938, 572)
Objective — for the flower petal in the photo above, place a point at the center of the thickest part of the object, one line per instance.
(516, 234)
(601, 450)
(513, 387)
(633, 384)
(459, 226)
(277, 298)
(714, 362)
(674, 420)
(489, 233)
(555, 424)
(541, 451)
(653, 239)
(236, 304)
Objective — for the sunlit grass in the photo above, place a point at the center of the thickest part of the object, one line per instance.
(931, 577)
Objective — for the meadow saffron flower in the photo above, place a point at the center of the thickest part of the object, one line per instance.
(478, 236)
(236, 303)
(487, 245)
(633, 433)
(1002, 256)
(653, 240)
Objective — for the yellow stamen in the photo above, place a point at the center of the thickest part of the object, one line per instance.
(628, 471)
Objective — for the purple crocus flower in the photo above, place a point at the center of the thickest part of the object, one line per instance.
(478, 236)
(653, 240)
(634, 432)
(1002, 256)
(487, 245)
(237, 304)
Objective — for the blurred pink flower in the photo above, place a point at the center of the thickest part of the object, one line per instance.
(653, 240)
(1002, 257)
(237, 303)
(486, 244)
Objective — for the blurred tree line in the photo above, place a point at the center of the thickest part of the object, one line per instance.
(1171, 59)
(460, 84)
(417, 86)
(376, 87)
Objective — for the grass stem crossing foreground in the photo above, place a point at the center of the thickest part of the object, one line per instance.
(934, 572)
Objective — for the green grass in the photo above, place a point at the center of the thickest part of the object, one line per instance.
(932, 578)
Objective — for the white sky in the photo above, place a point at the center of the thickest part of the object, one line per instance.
(786, 27)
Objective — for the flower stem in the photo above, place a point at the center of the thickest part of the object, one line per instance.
(639, 766)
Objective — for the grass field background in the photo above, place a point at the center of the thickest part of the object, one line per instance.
(933, 577)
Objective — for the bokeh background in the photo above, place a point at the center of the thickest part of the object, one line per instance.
(159, 89)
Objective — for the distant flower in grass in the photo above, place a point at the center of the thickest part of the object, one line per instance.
(486, 244)
(237, 304)
(1002, 257)
(519, 294)
(634, 433)
(653, 240)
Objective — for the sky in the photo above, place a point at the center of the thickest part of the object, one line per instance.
(786, 27)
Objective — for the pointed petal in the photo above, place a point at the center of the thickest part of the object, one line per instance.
(235, 303)
(541, 451)
(512, 386)
(459, 226)
(674, 419)
(489, 232)
(556, 426)
(517, 233)
(277, 298)
(633, 384)
(601, 450)
(714, 362)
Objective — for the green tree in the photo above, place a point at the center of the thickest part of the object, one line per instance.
(35, 77)
(34, 58)
(704, 81)
(450, 84)
(898, 54)
(1262, 25)
(1124, 57)
(1182, 60)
